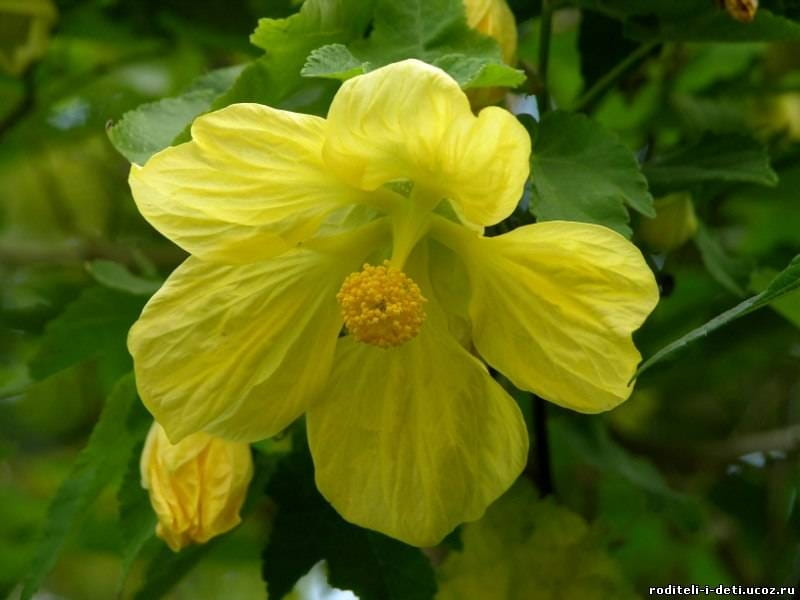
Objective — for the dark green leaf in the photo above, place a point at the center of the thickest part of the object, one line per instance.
(731, 158)
(149, 128)
(116, 276)
(581, 172)
(712, 25)
(307, 529)
(94, 324)
(137, 520)
(725, 270)
(785, 282)
(121, 425)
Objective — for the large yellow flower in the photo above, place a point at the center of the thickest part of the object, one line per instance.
(409, 432)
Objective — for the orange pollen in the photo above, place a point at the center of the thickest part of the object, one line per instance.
(381, 306)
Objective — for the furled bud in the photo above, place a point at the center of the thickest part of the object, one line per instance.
(495, 19)
(675, 222)
(196, 486)
(743, 11)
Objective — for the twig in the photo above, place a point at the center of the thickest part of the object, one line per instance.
(607, 81)
(24, 107)
(545, 33)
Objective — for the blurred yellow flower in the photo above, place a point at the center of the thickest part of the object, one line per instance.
(674, 224)
(495, 19)
(196, 486)
(410, 434)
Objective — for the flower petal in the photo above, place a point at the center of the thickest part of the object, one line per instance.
(238, 351)
(249, 185)
(410, 120)
(553, 308)
(413, 440)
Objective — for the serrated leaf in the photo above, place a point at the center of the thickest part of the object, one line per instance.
(725, 270)
(96, 323)
(307, 529)
(581, 172)
(116, 276)
(137, 519)
(121, 425)
(435, 31)
(145, 130)
(727, 158)
(333, 61)
(784, 283)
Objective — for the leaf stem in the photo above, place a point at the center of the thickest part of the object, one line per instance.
(607, 81)
(545, 33)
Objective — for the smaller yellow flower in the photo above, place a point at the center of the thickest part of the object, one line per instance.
(196, 486)
(495, 19)
(675, 222)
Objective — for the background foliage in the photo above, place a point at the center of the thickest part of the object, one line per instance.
(694, 480)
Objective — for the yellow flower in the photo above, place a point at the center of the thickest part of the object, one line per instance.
(196, 486)
(495, 19)
(410, 434)
(675, 222)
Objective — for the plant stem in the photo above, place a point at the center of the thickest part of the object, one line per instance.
(544, 476)
(607, 81)
(545, 33)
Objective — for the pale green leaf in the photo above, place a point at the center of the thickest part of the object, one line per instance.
(142, 132)
(333, 61)
(725, 270)
(116, 276)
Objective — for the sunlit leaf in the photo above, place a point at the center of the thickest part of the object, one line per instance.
(116, 276)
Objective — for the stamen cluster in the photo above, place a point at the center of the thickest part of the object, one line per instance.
(381, 306)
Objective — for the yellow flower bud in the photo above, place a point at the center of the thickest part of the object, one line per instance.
(675, 222)
(778, 116)
(495, 19)
(743, 11)
(196, 486)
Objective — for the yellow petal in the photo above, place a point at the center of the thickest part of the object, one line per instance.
(196, 486)
(411, 121)
(248, 186)
(553, 308)
(238, 351)
(495, 19)
(413, 440)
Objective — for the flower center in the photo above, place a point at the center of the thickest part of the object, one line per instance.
(381, 306)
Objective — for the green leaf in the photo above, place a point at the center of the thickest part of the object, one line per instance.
(307, 529)
(435, 31)
(728, 158)
(116, 276)
(94, 324)
(137, 520)
(121, 425)
(711, 25)
(787, 306)
(725, 270)
(785, 282)
(142, 132)
(581, 172)
(333, 61)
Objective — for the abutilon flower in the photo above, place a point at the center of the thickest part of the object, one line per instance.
(196, 486)
(370, 223)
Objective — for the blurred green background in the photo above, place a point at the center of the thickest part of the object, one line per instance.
(694, 480)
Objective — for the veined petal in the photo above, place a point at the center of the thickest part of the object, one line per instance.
(410, 120)
(249, 185)
(413, 440)
(553, 307)
(238, 351)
